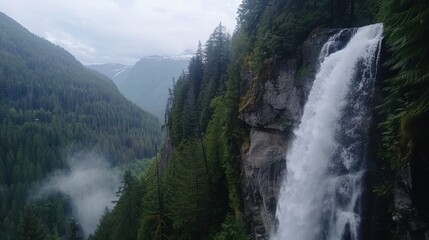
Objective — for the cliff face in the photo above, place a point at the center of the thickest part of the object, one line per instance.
(272, 116)
(276, 109)
(410, 192)
(411, 212)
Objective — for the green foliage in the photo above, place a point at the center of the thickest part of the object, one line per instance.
(233, 128)
(191, 96)
(191, 196)
(128, 208)
(74, 231)
(123, 221)
(199, 182)
(272, 32)
(249, 14)
(189, 192)
(175, 121)
(223, 146)
(146, 82)
(215, 71)
(154, 223)
(232, 229)
(50, 106)
(407, 100)
(276, 28)
(197, 193)
(105, 228)
(30, 226)
(284, 25)
(365, 12)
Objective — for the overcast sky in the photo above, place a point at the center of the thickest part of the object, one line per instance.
(123, 31)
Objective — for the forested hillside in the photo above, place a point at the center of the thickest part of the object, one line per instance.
(115, 71)
(148, 81)
(189, 195)
(405, 109)
(227, 106)
(193, 188)
(50, 107)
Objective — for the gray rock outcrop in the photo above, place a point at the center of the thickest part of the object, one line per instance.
(271, 119)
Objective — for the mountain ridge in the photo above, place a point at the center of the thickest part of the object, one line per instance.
(115, 71)
(51, 107)
(146, 83)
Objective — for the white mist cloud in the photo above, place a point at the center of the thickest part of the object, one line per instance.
(91, 184)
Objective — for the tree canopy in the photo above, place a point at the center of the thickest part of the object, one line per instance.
(52, 106)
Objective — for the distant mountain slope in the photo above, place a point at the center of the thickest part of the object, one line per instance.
(51, 106)
(115, 71)
(148, 81)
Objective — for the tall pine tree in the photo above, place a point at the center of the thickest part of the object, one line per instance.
(30, 227)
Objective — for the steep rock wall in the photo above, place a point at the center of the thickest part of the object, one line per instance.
(411, 198)
(271, 117)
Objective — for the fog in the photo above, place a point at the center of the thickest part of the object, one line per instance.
(91, 184)
(122, 31)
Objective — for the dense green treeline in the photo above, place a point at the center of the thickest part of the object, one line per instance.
(405, 109)
(276, 29)
(273, 32)
(197, 195)
(406, 103)
(195, 192)
(123, 221)
(50, 107)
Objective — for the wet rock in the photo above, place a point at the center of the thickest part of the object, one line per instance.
(412, 212)
(276, 111)
(264, 166)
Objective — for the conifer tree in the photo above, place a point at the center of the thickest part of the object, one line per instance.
(215, 71)
(407, 97)
(189, 202)
(30, 227)
(196, 69)
(128, 209)
(154, 221)
(74, 231)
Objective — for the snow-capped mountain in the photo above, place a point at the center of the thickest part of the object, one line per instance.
(186, 55)
(115, 71)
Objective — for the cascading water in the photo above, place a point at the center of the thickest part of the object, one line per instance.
(321, 196)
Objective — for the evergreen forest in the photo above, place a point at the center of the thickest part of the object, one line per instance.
(50, 107)
(191, 188)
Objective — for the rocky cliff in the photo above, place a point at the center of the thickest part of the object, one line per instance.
(275, 109)
(272, 108)
(410, 191)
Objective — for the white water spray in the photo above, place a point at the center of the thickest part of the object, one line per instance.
(320, 197)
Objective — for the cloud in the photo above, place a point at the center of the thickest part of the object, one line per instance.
(123, 31)
(66, 40)
(90, 183)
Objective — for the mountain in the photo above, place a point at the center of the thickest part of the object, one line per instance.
(51, 107)
(238, 126)
(147, 82)
(188, 197)
(115, 71)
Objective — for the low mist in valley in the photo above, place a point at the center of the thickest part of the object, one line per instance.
(214, 119)
(90, 182)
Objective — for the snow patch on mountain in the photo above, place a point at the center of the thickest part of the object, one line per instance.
(185, 55)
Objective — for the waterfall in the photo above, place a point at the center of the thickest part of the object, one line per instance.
(321, 195)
